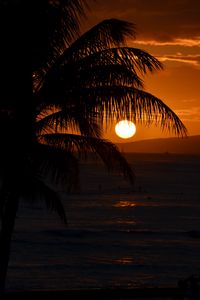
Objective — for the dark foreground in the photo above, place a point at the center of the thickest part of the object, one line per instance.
(103, 294)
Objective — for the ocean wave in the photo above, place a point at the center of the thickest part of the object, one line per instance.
(80, 233)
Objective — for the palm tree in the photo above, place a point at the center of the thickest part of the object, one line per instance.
(54, 104)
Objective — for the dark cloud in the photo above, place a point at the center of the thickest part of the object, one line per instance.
(155, 19)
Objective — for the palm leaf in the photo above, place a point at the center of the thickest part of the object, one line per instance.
(133, 58)
(57, 166)
(138, 60)
(108, 33)
(35, 189)
(102, 36)
(69, 13)
(119, 64)
(82, 145)
(68, 119)
(59, 83)
(125, 102)
(57, 25)
(108, 75)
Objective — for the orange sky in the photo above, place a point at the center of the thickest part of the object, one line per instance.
(169, 30)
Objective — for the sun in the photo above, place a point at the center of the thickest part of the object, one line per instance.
(125, 129)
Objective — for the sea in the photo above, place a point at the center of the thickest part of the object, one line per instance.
(118, 235)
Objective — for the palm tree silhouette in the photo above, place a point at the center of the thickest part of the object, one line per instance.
(57, 91)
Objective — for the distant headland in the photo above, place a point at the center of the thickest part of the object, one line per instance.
(189, 145)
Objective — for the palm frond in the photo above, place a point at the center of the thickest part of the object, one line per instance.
(124, 61)
(106, 150)
(108, 75)
(57, 25)
(125, 102)
(105, 75)
(68, 119)
(60, 83)
(69, 13)
(104, 35)
(108, 33)
(52, 121)
(138, 60)
(58, 166)
(133, 58)
(35, 189)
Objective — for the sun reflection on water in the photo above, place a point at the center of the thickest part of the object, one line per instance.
(126, 260)
(126, 222)
(124, 203)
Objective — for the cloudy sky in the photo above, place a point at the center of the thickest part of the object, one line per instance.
(169, 30)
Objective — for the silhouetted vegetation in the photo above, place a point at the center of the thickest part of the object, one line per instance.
(55, 80)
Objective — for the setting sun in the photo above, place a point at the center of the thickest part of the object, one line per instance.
(125, 129)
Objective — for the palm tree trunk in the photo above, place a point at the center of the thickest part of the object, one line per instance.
(7, 226)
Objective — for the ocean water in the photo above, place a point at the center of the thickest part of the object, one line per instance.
(118, 235)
